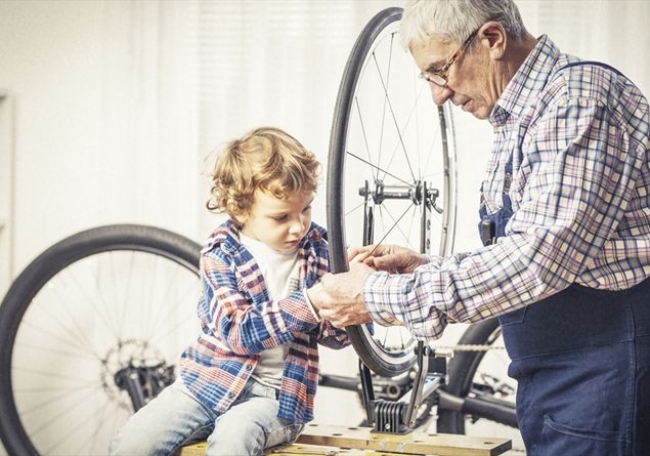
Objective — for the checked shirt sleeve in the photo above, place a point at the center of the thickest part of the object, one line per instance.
(249, 322)
(570, 192)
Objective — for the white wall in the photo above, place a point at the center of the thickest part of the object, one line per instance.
(116, 104)
(106, 126)
(93, 86)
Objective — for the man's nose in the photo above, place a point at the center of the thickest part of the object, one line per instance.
(440, 94)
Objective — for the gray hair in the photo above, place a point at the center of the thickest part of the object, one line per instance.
(455, 20)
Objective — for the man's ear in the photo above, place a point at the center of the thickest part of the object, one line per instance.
(494, 38)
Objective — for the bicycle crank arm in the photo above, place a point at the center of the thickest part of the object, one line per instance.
(424, 384)
(479, 407)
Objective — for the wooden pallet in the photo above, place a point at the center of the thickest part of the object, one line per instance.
(327, 440)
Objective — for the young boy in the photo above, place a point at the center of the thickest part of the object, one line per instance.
(248, 382)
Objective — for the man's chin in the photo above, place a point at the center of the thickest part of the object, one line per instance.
(471, 108)
(480, 113)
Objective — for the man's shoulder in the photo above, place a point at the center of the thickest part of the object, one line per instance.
(584, 83)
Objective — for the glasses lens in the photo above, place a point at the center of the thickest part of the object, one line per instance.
(433, 78)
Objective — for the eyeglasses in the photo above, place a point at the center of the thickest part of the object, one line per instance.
(439, 77)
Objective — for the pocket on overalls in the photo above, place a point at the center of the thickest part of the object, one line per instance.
(512, 325)
(568, 439)
(513, 318)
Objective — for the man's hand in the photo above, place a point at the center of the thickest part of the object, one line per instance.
(339, 297)
(391, 258)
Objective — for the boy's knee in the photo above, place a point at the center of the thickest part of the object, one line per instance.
(242, 440)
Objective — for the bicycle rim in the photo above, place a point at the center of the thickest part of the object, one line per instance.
(77, 314)
(391, 171)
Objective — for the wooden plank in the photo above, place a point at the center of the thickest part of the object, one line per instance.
(314, 450)
(412, 443)
(328, 440)
(198, 449)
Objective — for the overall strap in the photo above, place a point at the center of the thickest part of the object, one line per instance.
(590, 62)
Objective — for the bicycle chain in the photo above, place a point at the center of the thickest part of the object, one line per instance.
(465, 347)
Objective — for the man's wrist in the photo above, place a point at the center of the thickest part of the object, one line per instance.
(310, 304)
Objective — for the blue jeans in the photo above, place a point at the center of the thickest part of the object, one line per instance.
(582, 362)
(175, 418)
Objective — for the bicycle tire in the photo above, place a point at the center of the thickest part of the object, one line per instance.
(381, 31)
(153, 251)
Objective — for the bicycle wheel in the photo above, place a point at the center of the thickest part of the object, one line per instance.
(391, 171)
(478, 376)
(79, 313)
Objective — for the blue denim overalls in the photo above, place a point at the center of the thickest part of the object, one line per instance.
(582, 362)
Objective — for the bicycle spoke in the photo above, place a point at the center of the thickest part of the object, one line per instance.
(108, 305)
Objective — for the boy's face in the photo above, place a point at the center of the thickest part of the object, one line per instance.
(278, 223)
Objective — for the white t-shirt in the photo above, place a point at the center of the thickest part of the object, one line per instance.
(281, 275)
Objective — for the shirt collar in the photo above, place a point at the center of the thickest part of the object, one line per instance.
(527, 83)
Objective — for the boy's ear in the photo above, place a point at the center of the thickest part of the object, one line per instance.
(240, 220)
(236, 215)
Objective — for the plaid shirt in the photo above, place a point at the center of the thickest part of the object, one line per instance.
(238, 322)
(580, 189)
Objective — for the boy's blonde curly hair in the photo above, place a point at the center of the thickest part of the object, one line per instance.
(266, 159)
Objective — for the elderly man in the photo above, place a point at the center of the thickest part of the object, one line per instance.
(567, 190)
